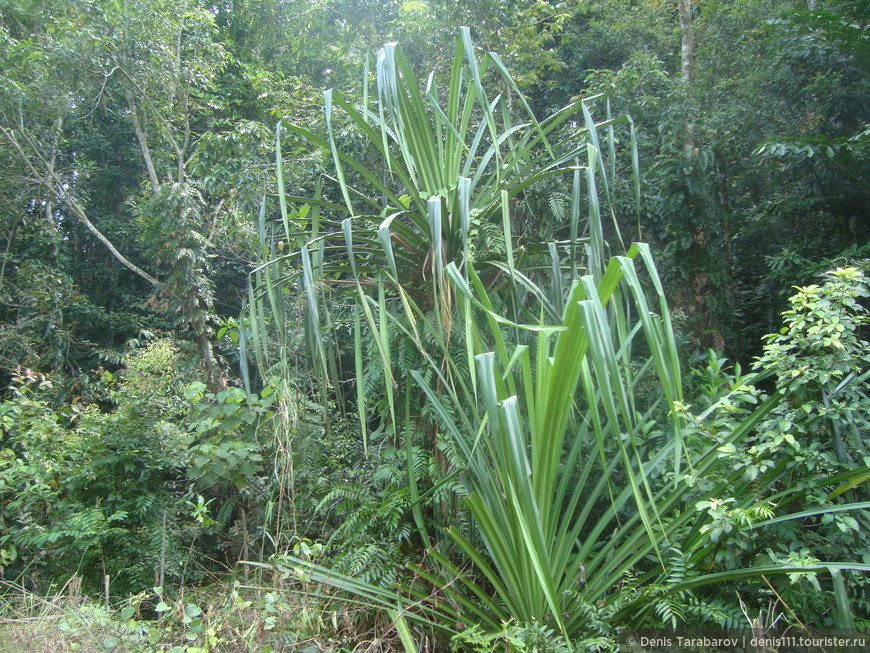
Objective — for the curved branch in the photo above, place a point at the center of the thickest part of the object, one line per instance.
(56, 191)
(79, 212)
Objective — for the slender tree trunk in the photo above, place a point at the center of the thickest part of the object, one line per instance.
(687, 64)
(727, 254)
(49, 204)
(142, 137)
(215, 380)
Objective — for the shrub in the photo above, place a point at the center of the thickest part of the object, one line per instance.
(97, 492)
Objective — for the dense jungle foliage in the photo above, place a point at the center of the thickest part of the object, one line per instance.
(475, 326)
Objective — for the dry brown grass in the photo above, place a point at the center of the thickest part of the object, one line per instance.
(241, 621)
(61, 623)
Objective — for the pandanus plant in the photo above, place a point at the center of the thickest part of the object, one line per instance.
(426, 141)
(573, 471)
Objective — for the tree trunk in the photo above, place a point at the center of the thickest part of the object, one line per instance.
(142, 137)
(687, 50)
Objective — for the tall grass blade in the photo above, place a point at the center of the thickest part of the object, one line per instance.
(843, 610)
